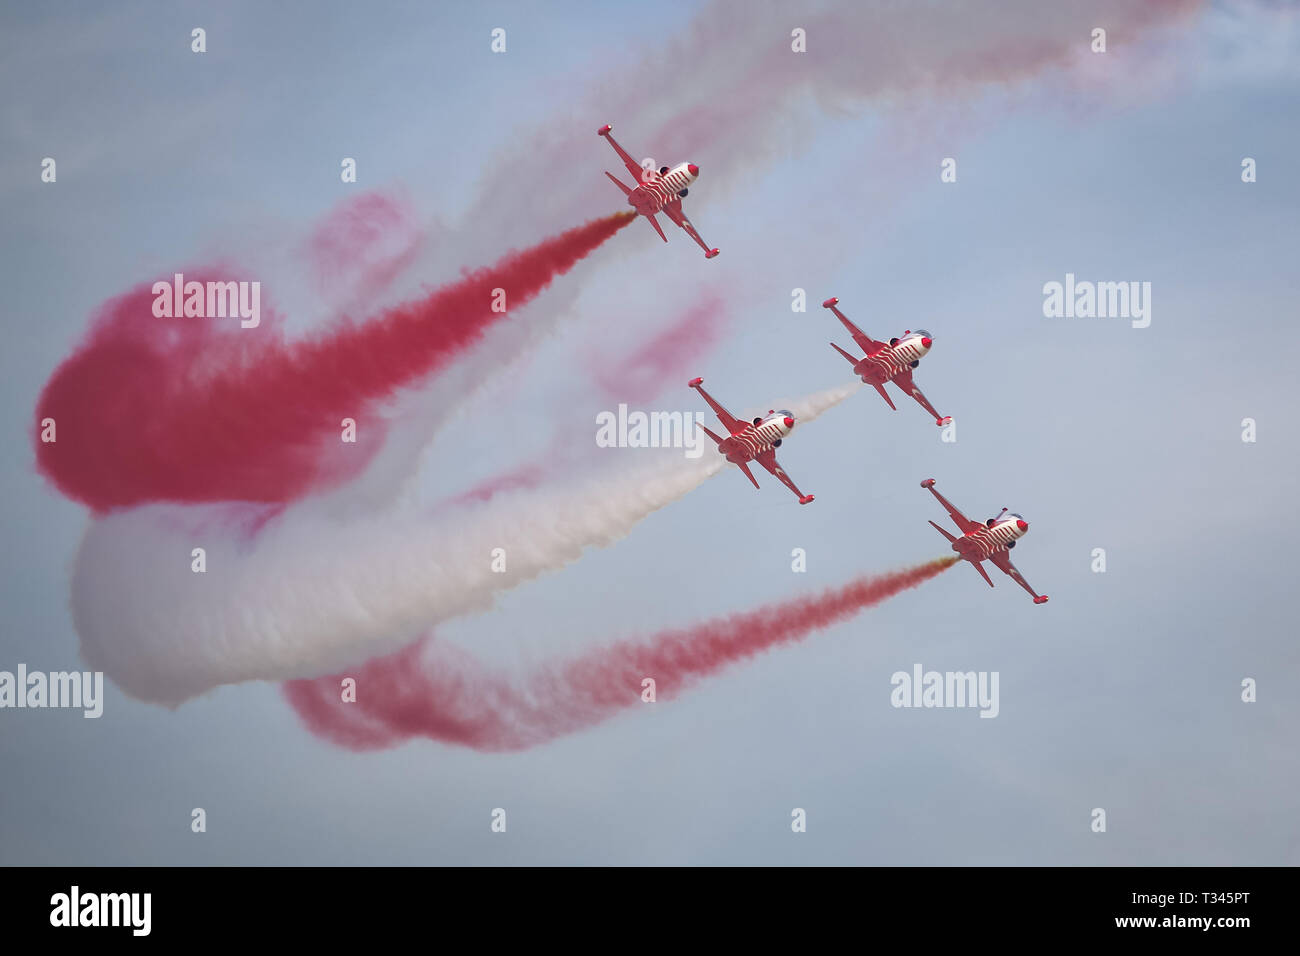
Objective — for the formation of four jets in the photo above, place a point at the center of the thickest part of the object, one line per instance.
(661, 189)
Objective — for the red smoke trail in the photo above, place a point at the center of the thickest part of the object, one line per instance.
(527, 475)
(190, 410)
(641, 374)
(448, 696)
(362, 246)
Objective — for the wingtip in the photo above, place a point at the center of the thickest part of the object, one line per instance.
(1041, 599)
(695, 383)
(711, 253)
(946, 420)
(806, 499)
(928, 483)
(833, 300)
(604, 130)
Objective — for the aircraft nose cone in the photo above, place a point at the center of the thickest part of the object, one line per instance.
(926, 341)
(692, 169)
(1022, 524)
(789, 422)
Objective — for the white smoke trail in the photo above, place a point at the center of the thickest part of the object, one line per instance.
(729, 92)
(308, 594)
(811, 407)
(304, 596)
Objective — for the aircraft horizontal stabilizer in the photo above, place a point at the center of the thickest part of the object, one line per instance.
(851, 359)
(614, 179)
(942, 532)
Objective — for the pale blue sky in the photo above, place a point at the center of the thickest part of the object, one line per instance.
(1122, 693)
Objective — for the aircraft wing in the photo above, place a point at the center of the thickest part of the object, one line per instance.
(1003, 560)
(768, 460)
(673, 211)
(729, 421)
(904, 381)
(865, 342)
(633, 167)
(964, 524)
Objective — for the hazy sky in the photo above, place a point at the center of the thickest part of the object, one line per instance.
(1123, 693)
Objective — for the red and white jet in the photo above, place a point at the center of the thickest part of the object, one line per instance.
(991, 540)
(753, 441)
(659, 190)
(889, 361)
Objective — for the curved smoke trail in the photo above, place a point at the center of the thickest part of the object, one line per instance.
(669, 353)
(176, 409)
(305, 594)
(731, 95)
(444, 694)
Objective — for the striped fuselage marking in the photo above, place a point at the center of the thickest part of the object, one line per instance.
(983, 542)
(657, 191)
(879, 368)
(753, 440)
